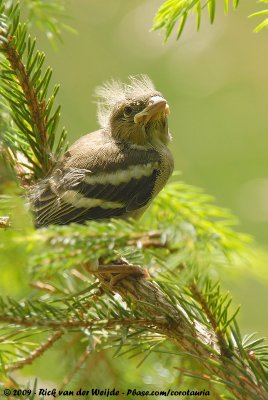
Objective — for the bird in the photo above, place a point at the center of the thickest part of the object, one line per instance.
(116, 171)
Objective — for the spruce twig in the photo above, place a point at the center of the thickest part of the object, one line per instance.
(35, 107)
(32, 122)
(36, 353)
(197, 295)
(173, 12)
(193, 338)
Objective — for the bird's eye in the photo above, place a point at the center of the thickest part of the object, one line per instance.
(127, 111)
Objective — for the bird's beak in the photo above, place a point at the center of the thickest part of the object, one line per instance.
(156, 108)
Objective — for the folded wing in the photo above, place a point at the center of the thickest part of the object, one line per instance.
(76, 194)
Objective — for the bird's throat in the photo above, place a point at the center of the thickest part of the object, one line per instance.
(158, 131)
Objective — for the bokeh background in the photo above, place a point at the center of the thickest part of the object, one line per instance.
(216, 83)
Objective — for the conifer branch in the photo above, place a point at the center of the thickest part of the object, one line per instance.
(70, 324)
(192, 337)
(197, 295)
(192, 314)
(36, 353)
(49, 16)
(35, 107)
(173, 12)
(32, 123)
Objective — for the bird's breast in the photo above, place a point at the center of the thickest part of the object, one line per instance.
(166, 166)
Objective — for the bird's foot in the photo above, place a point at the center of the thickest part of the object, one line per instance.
(120, 272)
(117, 271)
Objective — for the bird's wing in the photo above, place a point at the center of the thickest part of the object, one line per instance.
(122, 182)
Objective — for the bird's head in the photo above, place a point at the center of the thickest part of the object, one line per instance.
(134, 112)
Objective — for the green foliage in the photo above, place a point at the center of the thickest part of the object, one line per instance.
(72, 302)
(261, 13)
(177, 11)
(179, 249)
(184, 223)
(173, 11)
(48, 16)
(31, 119)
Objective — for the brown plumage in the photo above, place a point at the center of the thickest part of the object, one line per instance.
(115, 171)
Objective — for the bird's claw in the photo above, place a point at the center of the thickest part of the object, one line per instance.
(120, 272)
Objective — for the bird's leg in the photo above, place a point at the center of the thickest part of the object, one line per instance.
(123, 271)
(118, 271)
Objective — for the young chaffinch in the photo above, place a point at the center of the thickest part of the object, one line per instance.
(115, 171)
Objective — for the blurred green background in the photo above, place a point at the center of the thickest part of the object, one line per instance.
(216, 84)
